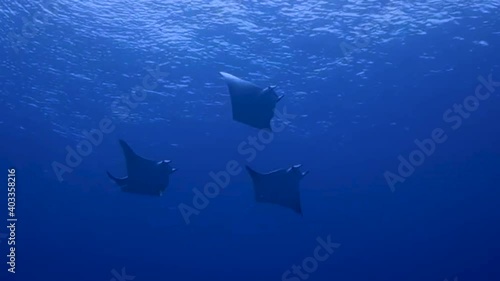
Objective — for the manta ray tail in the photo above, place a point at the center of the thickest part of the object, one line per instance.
(121, 182)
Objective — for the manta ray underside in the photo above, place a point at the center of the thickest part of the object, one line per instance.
(251, 105)
(279, 187)
(145, 176)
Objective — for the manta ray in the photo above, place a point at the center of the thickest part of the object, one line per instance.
(251, 104)
(145, 176)
(279, 187)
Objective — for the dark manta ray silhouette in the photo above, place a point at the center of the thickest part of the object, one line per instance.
(145, 176)
(251, 105)
(279, 187)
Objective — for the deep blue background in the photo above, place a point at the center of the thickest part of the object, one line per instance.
(356, 113)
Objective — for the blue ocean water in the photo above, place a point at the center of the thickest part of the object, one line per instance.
(393, 109)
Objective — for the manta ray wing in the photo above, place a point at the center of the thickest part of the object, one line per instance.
(277, 187)
(144, 176)
(122, 182)
(251, 105)
(137, 166)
